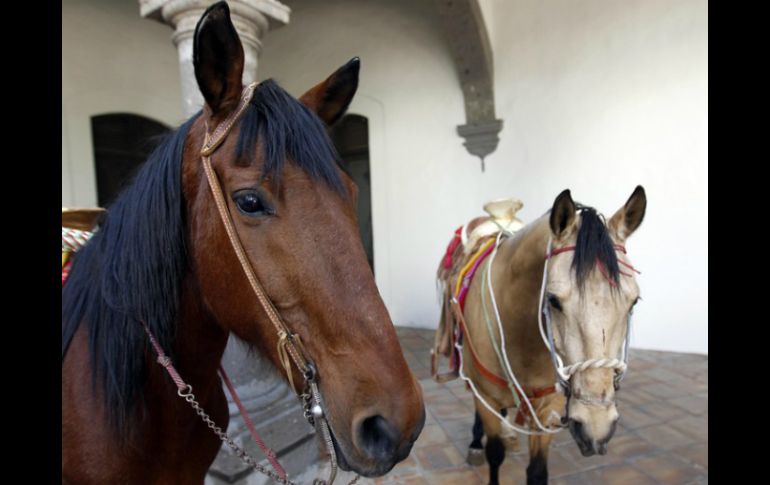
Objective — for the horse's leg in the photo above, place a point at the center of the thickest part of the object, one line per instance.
(537, 471)
(475, 451)
(510, 437)
(494, 450)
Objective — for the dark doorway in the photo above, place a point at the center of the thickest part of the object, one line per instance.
(122, 142)
(351, 138)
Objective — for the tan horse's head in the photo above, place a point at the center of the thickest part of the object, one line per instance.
(590, 293)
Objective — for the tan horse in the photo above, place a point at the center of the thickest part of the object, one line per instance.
(588, 295)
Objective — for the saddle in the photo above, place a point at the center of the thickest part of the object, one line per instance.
(77, 226)
(83, 219)
(471, 243)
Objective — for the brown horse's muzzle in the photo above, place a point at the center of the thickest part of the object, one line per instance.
(380, 445)
(382, 431)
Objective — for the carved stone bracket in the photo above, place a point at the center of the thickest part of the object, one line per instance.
(466, 33)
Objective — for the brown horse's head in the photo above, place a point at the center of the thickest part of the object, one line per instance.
(590, 293)
(294, 211)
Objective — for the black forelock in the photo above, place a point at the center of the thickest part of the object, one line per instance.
(594, 246)
(286, 130)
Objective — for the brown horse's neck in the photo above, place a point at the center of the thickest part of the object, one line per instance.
(200, 341)
(173, 424)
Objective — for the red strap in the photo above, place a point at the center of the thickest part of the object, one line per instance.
(451, 248)
(559, 251)
(495, 379)
(617, 247)
(491, 376)
(182, 386)
(65, 272)
(269, 453)
(564, 249)
(532, 394)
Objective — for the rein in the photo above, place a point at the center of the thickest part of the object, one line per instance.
(290, 348)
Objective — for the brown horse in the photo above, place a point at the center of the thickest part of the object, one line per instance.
(162, 257)
(584, 296)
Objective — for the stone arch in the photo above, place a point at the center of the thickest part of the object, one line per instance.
(121, 142)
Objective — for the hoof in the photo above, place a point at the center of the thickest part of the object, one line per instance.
(511, 444)
(475, 457)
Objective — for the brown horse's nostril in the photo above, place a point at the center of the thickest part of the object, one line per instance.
(379, 438)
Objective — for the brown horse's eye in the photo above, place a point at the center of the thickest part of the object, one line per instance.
(250, 203)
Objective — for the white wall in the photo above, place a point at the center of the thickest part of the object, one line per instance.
(599, 96)
(596, 96)
(408, 90)
(112, 61)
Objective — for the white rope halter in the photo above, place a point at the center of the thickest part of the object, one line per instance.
(565, 372)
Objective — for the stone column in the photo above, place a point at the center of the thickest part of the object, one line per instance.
(269, 401)
(252, 20)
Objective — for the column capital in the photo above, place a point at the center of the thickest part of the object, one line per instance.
(252, 20)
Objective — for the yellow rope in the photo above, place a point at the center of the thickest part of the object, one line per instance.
(470, 264)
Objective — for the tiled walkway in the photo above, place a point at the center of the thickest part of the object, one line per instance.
(662, 435)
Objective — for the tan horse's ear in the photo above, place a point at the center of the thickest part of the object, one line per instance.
(331, 98)
(218, 59)
(563, 218)
(628, 218)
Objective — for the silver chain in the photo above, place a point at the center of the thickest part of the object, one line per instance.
(307, 399)
(239, 452)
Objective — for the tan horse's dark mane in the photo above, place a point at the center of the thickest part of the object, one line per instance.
(594, 246)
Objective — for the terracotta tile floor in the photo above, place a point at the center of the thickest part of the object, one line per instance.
(662, 436)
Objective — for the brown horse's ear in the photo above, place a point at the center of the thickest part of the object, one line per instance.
(628, 218)
(563, 215)
(218, 59)
(331, 98)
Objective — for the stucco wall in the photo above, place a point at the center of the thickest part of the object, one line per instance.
(112, 61)
(596, 96)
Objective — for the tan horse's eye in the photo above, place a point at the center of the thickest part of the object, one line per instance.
(631, 310)
(554, 301)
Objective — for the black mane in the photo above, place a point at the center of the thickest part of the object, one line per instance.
(593, 246)
(129, 272)
(132, 269)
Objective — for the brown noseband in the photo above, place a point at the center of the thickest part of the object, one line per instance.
(289, 345)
